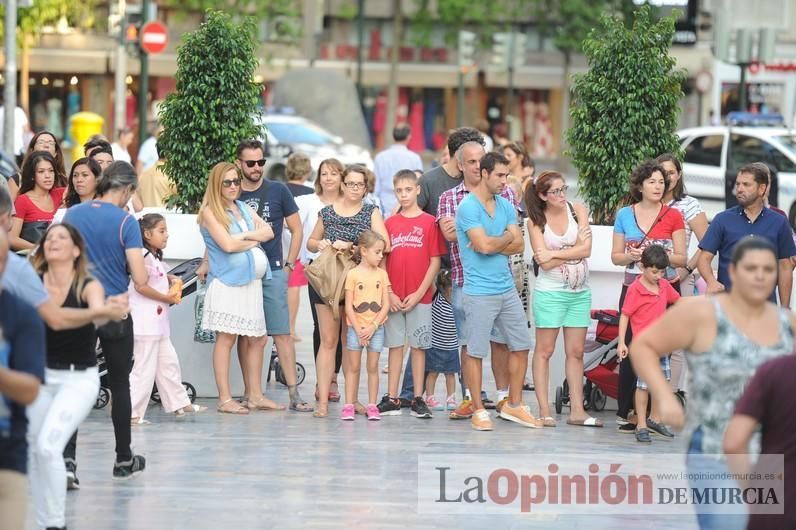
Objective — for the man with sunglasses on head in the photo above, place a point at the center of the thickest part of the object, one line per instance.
(274, 203)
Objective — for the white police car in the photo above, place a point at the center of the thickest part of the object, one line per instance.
(714, 154)
(287, 134)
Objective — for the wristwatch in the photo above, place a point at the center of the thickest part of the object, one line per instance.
(291, 265)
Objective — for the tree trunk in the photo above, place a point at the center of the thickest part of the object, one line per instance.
(565, 103)
(392, 87)
(24, 76)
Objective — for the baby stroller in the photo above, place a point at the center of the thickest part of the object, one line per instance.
(600, 359)
(279, 374)
(185, 271)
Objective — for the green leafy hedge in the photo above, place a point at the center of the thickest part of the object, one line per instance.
(212, 108)
(626, 107)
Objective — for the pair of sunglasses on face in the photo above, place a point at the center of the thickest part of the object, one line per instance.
(252, 163)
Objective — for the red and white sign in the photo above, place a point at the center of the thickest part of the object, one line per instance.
(153, 37)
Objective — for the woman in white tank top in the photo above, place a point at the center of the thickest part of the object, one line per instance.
(561, 239)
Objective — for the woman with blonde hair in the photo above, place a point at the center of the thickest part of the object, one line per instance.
(328, 190)
(234, 265)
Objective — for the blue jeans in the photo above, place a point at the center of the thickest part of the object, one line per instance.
(408, 386)
(735, 517)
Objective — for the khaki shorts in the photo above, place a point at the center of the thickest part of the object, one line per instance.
(413, 327)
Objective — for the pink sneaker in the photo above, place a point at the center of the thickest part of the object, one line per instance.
(372, 412)
(451, 403)
(347, 413)
(433, 404)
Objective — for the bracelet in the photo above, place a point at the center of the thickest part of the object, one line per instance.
(689, 269)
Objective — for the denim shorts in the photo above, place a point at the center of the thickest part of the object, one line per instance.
(442, 361)
(277, 317)
(460, 318)
(666, 367)
(376, 343)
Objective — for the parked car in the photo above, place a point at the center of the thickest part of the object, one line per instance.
(714, 154)
(286, 134)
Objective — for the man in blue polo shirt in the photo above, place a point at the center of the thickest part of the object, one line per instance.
(750, 217)
(488, 233)
(22, 353)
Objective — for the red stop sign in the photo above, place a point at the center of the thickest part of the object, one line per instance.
(153, 37)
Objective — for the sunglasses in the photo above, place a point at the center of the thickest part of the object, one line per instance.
(251, 163)
(230, 183)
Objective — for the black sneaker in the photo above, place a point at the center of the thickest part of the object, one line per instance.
(659, 429)
(127, 470)
(627, 428)
(420, 409)
(389, 407)
(72, 483)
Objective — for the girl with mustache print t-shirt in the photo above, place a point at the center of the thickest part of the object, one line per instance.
(367, 287)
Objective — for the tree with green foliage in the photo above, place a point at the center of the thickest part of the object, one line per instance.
(32, 20)
(213, 106)
(626, 107)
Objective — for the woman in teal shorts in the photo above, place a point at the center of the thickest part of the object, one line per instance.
(561, 240)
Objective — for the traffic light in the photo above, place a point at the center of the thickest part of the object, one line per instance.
(508, 49)
(466, 48)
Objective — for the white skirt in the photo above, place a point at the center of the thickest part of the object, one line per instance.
(234, 310)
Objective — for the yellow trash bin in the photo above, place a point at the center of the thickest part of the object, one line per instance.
(82, 126)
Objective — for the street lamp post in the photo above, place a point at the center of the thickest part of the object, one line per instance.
(10, 90)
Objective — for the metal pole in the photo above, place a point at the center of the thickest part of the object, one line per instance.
(460, 100)
(360, 44)
(10, 91)
(119, 86)
(510, 87)
(143, 80)
(742, 88)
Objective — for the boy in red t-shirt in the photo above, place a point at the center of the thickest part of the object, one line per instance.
(646, 301)
(413, 262)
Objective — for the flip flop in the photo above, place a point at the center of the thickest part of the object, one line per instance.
(548, 421)
(320, 413)
(262, 405)
(588, 422)
(239, 409)
(301, 406)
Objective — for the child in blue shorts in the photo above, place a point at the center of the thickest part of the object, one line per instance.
(443, 356)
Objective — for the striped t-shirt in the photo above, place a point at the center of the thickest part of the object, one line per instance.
(443, 327)
(690, 208)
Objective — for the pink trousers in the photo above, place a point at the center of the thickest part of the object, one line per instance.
(156, 362)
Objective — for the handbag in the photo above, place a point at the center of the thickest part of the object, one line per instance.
(205, 336)
(327, 273)
(33, 231)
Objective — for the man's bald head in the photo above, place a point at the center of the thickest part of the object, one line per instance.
(6, 208)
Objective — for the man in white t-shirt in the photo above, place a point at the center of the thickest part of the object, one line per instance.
(124, 137)
(21, 126)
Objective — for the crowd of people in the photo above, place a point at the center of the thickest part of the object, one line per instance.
(435, 264)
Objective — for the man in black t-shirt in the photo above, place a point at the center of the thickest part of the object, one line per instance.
(274, 203)
(22, 354)
(436, 181)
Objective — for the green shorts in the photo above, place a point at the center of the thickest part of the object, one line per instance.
(562, 309)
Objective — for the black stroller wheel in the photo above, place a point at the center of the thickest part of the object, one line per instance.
(190, 390)
(587, 400)
(103, 398)
(680, 395)
(155, 395)
(559, 399)
(598, 399)
(301, 373)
